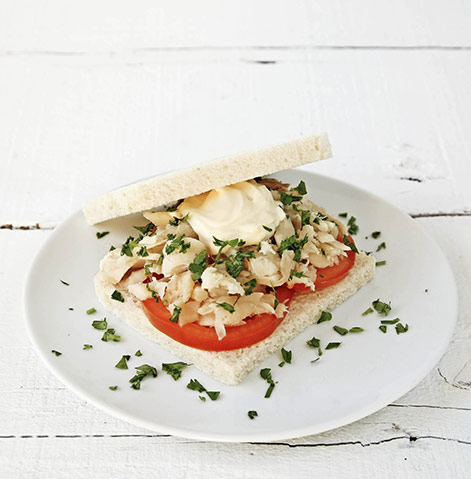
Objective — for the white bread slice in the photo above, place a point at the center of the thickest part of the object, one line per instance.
(170, 187)
(230, 367)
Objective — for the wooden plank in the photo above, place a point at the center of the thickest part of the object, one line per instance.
(47, 430)
(116, 25)
(72, 128)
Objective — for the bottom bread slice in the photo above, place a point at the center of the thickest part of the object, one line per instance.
(230, 367)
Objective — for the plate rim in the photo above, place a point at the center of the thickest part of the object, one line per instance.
(318, 428)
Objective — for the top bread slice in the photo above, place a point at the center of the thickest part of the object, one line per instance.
(163, 189)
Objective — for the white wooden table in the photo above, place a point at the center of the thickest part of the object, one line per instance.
(94, 95)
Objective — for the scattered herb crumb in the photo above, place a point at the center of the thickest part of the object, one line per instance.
(71, 309)
(383, 328)
(376, 234)
(91, 311)
(138, 353)
(381, 246)
(266, 374)
(380, 263)
(100, 324)
(381, 307)
(101, 234)
(287, 355)
(87, 346)
(343, 215)
(117, 296)
(314, 342)
(390, 321)
(64, 282)
(202, 398)
(226, 306)
(175, 314)
(174, 369)
(142, 372)
(340, 330)
(426, 290)
(352, 226)
(400, 328)
(113, 388)
(315, 360)
(252, 414)
(123, 362)
(356, 329)
(368, 311)
(195, 385)
(57, 353)
(333, 345)
(109, 335)
(325, 316)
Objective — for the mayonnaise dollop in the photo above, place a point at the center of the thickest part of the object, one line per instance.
(239, 211)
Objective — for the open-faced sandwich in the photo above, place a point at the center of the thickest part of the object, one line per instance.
(234, 264)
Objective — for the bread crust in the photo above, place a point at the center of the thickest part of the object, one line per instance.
(163, 189)
(231, 367)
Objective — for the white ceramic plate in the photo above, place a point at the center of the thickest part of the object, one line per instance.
(367, 372)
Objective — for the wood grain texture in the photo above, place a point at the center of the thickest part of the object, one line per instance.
(48, 430)
(73, 128)
(116, 25)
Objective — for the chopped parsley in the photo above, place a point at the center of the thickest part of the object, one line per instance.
(113, 388)
(57, 353)
(333, 345)
(109, 335)
(381, 246)
(71, 309)
(142, 372)
(112, 248)
(293, 244)
(176, 243)
(145, 230)
(296, 274)
(325, 316)
(250, 285)
(340, 330)
(314, 342)
(343, 215)
(143, 252)
(65, 283)
(380, 263)
(175, 314)
(91, 311)
(138, 353)
(356, 329)
(202, 398)
(235, 263)
(198, 266)
(252, 414)
(390, 321)
(400, 328)
(368, 311)
(123, 362)
(288, 199)
(286, 355)
(223, 243)
(351, 244)
(267, 228)
(152, 292)
(117, 296)
(301, 188)
(195, 385)
(176, 221)
(174, 369)
(266, 374)
(376, 234)
(315, 360)
(382, 308)
(305, 217)
(103, 233)
(102, 325)
(352, 226)
(87, 346)
(128, 246)
(383, 328)
(226, 306)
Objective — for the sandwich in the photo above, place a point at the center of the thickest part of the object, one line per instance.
(231, 264)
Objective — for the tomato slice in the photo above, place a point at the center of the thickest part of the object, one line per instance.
(253, 331)
(255, 328)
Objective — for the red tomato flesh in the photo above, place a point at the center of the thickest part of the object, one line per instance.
(255, 328)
